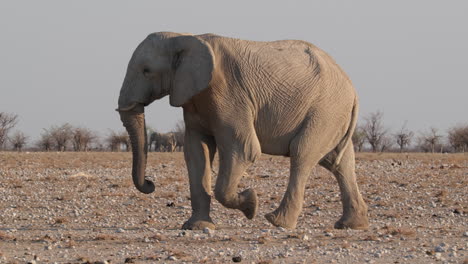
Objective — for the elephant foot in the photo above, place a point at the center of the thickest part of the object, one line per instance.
(281, 220)
(198, 224)
(249, 205)
(360, 222)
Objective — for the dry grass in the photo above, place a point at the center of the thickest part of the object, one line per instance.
(180, 255)
(168, 194)
(264, 262)
(264, 239)
(61, 220)
(15, 183)
(403, 231)
(425, 157)
(158, 237)
(70, 244)
(5, 236)
(371, 238)
(75, 160)
(105, 237)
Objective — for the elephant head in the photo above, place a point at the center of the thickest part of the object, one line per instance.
(163, 64)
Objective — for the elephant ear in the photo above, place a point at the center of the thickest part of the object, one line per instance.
(193, 63)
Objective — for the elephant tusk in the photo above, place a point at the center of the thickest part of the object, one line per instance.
(125, 109)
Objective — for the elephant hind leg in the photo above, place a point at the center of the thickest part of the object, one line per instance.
(305, 151)
(287, 213)
(354, 208)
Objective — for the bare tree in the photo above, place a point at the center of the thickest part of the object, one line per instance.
(386, 143)
(430, 141)
(359, 138)
(18, 140)
(98, 145)
(375, 130)
(403, 137)
(112, 141)
(124, 139)
(7, 122)
(458, 138)
(61, 136)
(115, 140)
(82, 138)
(45, 142)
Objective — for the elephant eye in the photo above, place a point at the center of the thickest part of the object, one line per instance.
(146, 71)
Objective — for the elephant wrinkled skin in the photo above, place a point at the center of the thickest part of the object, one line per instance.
(243, 98)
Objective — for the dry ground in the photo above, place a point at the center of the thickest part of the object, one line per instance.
(83, 208)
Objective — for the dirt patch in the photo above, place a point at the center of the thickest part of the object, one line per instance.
(83, 208)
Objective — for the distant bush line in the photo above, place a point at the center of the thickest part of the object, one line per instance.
(371, 135)
(67, 137)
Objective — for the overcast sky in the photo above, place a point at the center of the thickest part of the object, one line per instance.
(64, 61)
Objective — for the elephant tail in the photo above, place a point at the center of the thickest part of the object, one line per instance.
(349, 134)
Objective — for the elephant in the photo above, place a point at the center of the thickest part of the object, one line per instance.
(243, 98)
(179, 140)
(163, 141)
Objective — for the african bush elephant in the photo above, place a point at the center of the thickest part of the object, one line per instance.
(165, 142)
(243, 98)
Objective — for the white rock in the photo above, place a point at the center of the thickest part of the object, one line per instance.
(207, 230)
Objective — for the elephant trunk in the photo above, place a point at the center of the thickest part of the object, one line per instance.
(134, 122)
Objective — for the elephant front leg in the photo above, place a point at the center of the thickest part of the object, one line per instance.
(235, 158)
(199, 152)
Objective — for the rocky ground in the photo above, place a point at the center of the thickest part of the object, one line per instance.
(83, 208)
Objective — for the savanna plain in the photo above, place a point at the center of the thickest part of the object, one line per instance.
(83, 208)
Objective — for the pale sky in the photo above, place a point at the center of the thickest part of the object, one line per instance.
(64, 61)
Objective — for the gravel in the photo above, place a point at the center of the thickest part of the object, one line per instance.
(83, 208)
